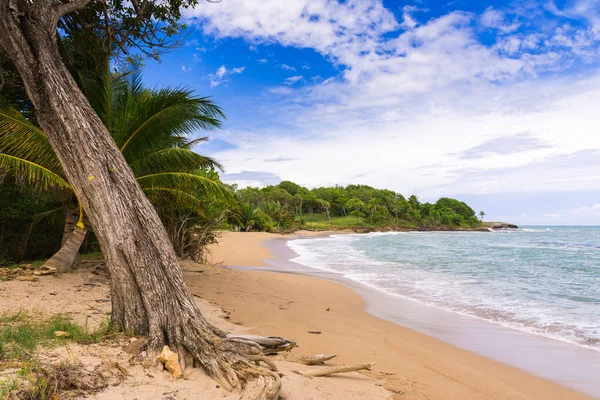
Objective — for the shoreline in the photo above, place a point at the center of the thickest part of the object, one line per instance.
(438, 369)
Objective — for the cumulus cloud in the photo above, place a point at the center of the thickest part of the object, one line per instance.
(287, 67)
(424, 99)
(222, 74)
(293, 79)
(495, 19)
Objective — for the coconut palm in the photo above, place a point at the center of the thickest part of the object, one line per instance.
(276, 211)
(152, 129)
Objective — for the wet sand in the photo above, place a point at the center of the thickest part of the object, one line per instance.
(419, 365)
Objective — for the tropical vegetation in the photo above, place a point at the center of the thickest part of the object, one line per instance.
(72, 128)
(152, 128)
(291, 206)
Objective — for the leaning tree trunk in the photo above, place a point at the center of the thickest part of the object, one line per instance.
(71, 220)
(64, 259)
(73, 237)
(149, 295)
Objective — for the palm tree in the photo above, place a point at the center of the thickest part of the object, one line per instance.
(276, 211)
(481, 214)
(152, 129)
(247, 216)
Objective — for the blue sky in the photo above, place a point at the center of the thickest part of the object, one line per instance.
(493, 102)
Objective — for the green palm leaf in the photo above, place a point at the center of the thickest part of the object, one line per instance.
(184, 181)
(173, 160)
(175, 198)
(22, 139)
(35, 174)
(164, 118)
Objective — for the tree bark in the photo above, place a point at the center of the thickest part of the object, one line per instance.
(64, 259)
(73, 237)
(149, 295)
(70, 222)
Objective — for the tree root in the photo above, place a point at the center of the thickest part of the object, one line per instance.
(258, 359)
(335, 370)
(268, 344)
(233, 361)
(307, 360)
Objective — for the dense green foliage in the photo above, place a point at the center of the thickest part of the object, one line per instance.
(289, 205)
(26, 230)
(152, 129)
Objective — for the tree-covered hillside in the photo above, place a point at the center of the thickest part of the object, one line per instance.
(289, 206)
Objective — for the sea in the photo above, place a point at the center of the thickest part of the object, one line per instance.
(541, 280)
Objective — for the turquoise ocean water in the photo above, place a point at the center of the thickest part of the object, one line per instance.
(541, 280)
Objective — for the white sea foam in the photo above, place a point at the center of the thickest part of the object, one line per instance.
(380, 234)
(506, 280)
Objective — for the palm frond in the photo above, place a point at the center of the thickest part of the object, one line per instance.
(173, 198)
(165, 118)
(35, 174)
(189, 145)
(55, 216)
(22, 139)
(188, 182)
(172, 160)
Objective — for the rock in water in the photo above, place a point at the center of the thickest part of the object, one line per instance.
(171, 361)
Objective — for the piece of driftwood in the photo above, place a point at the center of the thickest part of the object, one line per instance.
(269, 344)
(338, 369)
(308, 360)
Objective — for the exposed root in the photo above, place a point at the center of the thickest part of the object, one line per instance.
(268, 344)
(307, 360)
(262, 384)
(258, 359)
(335, 370)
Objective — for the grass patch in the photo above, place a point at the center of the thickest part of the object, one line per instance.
(21, 333)
(35, 264)
(7, 386)
(96, 255)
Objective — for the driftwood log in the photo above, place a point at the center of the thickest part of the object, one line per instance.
(268, 344)
(338, 369)
(307, 360)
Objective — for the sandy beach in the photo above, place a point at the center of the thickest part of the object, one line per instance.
(322, 316)
(291, 305)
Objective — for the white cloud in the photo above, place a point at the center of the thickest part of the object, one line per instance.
(408, 21)
(220, 76)
(419, 97)
(293, 79)
(495, 19)
(287, 67)
(185, 69)
(262, 61)
(591, 211)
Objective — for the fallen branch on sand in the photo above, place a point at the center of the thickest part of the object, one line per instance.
(307, 360)
(335, 370)
(268, 344)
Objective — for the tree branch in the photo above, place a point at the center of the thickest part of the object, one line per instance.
(71, 6)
